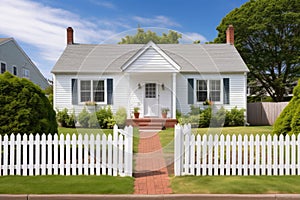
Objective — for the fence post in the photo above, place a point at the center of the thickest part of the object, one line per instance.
(115, 150)
(128, 150)
(178, 150)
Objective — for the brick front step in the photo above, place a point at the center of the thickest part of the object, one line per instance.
(152, 123)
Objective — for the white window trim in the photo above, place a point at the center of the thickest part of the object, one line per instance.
(23, 71)
(5, 66)
(208, 90)
(92, 93)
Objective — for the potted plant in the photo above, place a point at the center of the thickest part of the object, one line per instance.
(164, 112)
(136, 112)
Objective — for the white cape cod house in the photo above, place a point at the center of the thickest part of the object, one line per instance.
(150, 76)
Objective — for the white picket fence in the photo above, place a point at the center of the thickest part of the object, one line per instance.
(67, 155)
(235, 155)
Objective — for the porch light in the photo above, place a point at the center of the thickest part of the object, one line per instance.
(163, 86)
(139, 86)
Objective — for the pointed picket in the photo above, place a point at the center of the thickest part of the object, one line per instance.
(98, 155)
(228, 155)
(92, 154)
(104, 154)
(251, 155)
(61, 155)
(80, 154)
(269, 155)
(275, 155)
(49, 165)
(86, 154)
(257, 155)
(210, 154)
(12, 155)
(110, 155)
(5, 155)
(31, 153)
(287, 155)
(234, 162)
(68, 153)
(216, 155)
(120, 163)
(293, 155)
(240, 155)
(44, 154)
(18, 152)
(198, 155)
(222, 154)
(74, 154)
(25, 153)
(281, 155)
(245, 160)
(55, 156)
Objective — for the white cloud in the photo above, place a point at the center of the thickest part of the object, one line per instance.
(159, 21)
(104, 4)
(191, 37)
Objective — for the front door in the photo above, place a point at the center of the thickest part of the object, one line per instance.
(151, 100)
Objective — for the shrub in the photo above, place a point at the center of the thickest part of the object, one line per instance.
(65, 119)
(105, 117)
(235, 117)
(191, 119)
(120, 117)
(83, 118)
(24, 107)
(195, 110)
(205, 117)
(288, 120)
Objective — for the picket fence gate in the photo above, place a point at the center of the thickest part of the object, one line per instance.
(66, 155)
(235, 155)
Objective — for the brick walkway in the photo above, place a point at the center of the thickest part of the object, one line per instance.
(151, 174)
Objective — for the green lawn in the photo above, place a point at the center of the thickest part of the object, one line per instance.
(66, 185)
(235, 184)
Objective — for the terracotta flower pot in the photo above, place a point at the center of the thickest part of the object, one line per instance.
(136, 115)
(164, 115)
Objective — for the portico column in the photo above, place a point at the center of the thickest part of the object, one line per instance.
(174, 96)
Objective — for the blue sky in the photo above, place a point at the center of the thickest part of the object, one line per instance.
(39, 26)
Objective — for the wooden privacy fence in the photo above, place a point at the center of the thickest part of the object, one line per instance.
(235, 155)
(264, 113)
(67, 155)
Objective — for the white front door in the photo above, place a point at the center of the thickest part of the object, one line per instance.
(151, 104)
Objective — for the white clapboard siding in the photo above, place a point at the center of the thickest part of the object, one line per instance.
(67, 155)
(235, 155)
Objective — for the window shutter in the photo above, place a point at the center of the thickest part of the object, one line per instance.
(74, 92)
(110, 91)
(190, 91)
(226, 91)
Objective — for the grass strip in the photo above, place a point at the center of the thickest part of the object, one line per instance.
(66, 185)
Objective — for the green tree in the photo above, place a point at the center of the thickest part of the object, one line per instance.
(267, 35)
(24, 107)
(142, 37)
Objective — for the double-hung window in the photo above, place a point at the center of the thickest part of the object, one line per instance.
(92, 90)
(26, 73)
(208, 90)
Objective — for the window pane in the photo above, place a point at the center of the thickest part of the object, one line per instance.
(150, 90)
(15, 70)
(85, 91)
(201, 90)
(98, 90)
(215, 90)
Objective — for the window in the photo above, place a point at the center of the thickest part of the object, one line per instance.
(85, 91)
(15, 72)
(3, 67)
(92, 90)
(98, 90)
(201, 90)
(150, 91)
(26, 73)
(208, 90)
(214, 90)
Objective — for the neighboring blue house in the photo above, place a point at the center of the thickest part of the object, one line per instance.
(15, 60)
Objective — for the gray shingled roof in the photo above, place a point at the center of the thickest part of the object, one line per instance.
(203, 58)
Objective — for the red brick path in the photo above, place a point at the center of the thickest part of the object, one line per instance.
(151, 174)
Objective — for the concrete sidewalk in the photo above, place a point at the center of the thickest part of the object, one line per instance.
(157, 197)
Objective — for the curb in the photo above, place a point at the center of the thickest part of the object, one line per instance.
(158, 197)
